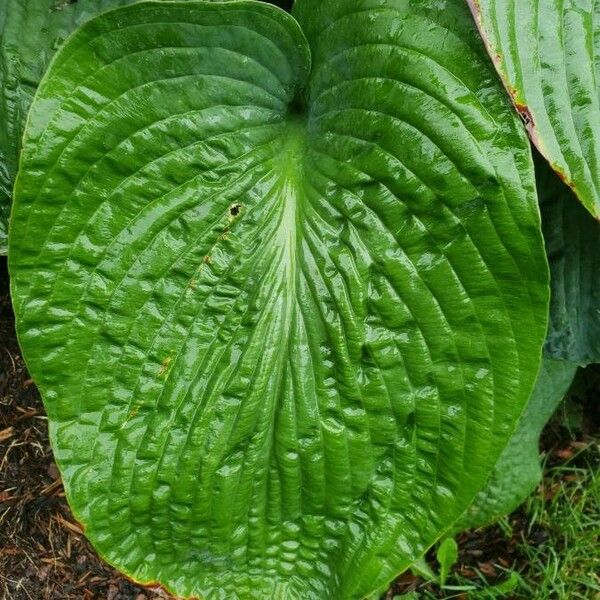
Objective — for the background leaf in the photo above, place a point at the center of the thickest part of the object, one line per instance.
(446, 555)
(546, 55)
(283, 323)
(573, 248)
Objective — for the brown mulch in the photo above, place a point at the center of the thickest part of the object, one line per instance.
(43, 555)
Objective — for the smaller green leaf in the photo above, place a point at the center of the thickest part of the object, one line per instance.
(508, 586)
(501, 590)
(447, 555)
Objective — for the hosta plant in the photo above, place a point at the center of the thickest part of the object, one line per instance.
(281, 281)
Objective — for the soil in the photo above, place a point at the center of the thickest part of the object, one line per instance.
(43, 555)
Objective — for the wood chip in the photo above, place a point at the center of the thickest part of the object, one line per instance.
(487, 568)
(83, 578)
(26, 414)
(6, 433)
(113, 590)
(565, 453)
(53, 487)
(7, 497)
(71, 526)
(52, 561)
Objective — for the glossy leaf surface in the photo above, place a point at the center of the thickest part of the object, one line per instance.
(548, 55)
(518, 471)
(283, 315)
(30, 33)
(573, 248)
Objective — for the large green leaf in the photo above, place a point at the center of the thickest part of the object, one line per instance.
(30, 33)
(283, 317)
(573, 248)
(546, 52)
(518, 471)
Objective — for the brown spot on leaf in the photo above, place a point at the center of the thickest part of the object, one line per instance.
(165, 365)
(525, 114)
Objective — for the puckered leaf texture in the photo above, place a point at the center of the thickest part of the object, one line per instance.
(281, 282)
(30, 33)
(547, 53)
(518, 471)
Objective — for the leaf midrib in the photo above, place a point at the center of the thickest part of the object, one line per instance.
(289, 164)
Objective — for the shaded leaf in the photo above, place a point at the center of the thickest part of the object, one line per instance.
(573, 248)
